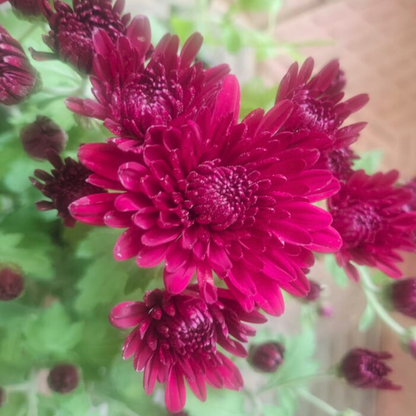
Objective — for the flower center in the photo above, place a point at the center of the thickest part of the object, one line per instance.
(358, 224)
(375, 367)
(339, 163)
(220, 196)
(191, 329)
(150, 99)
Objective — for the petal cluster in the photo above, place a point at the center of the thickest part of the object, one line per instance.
(217, 195)
(132, 95)
(18, 79)
(175, 340)
(70, 37)
(365, 369)
(369, 214)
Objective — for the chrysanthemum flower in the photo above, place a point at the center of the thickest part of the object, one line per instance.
(339, 162)
(70, 37)
(366, 369)
(132, 96)
(368, 214)
(65, 184)
(317, 102)
(175, 339)
(26, 8)
(217, 195)
(18, 79)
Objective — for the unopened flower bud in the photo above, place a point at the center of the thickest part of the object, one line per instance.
(11, 284)
(41, 135)
(325, 311)
(63, 378)
(365, 369)
(25, 8)
(267, 357)
(401, 295)
(314, 292)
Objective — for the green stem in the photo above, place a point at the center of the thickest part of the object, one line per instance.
(292, 381)
(372, 300)
(317, 402)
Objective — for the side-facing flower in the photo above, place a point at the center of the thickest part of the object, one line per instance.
(318, 107)
(215, 195)
(70, 37)
(132, 96)
(25, 8)
(368, 214)
(175, 339)
(366, 369)
(41, 135)
(64, 185)
(18, 79)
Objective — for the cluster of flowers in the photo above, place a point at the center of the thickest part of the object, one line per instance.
(206, 194)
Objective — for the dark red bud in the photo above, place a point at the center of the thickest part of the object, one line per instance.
(11, 284)
(325, 311)
(365, 369)
(314, 292)
(41, 135)
(26, 8)
(63, 378)
(267, 357)
(402, 294)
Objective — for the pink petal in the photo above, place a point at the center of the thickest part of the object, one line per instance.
(127, 314)
(128, 245)
(228, 100)
(175, 394)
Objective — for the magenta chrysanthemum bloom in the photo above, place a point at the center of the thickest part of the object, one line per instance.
(175, 339)
(18, 79)
(317, 102)
(25, 8)
(339, 162)
(64, 185)
(131, 96)
(366, 369)
(70, 37)
(217, 196)
(368, 214)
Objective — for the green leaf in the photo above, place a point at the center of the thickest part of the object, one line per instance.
(34, 262)
(231, 38)
(219, 403)
(13, 313)
(369, 161)
(367, 319)
(15, 405)
(287, 406)
(337, 273)
(98, 243)
(254, 95)
(52, 332)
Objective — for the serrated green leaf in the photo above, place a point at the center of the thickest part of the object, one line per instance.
(369, 161)
(34, 262)
(337, 273)
(52, 332)
(367, 319)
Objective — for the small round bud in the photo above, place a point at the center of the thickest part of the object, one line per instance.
(325, 311)
(314, 292)
(11, 284)
(63, 378)
(2, 397)
(401, 295)
(267, 357)
(41, 135)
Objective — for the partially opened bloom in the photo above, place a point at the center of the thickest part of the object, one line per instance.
(70, 37)
(368, 214)
(401, 295)
(175, 339)
(64, 185)
(18, 79)
(214, 195)
(366, 369)
(318, 102)
(25, 8)
(132, 96)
